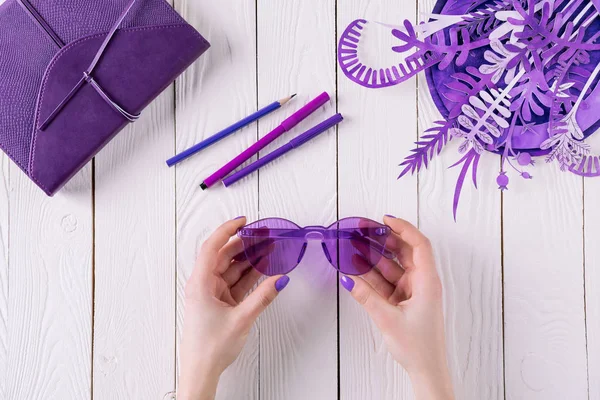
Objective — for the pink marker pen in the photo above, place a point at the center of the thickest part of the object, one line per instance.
(285, 126)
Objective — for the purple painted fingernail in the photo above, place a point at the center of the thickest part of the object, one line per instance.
(241, 216)
(282, 283)
(347, 283)
(391, 216)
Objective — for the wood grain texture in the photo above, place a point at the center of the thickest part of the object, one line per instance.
(4, 250)
(134, 335)
(592, 281)
(150, 221)
(4, 263)
(545, 349)
(469, 260)
(372, 142)
(215, 92)
(298, 333)
(50, 283)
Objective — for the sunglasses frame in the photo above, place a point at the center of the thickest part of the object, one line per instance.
(318, 233)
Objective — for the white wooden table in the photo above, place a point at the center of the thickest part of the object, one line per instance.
(91, 281)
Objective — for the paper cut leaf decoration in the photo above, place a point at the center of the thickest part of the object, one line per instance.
(516, 78)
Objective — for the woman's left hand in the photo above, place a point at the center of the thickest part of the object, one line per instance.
(217, 317)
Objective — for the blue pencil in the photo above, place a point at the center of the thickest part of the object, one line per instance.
(228, 131)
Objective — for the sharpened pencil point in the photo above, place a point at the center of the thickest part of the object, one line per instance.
(283, 101)
(203, 186)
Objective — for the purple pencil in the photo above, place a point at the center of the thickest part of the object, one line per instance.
(293, 144)
(285, 126)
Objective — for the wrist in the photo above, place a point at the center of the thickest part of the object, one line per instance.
(198, 384)
(435, 384)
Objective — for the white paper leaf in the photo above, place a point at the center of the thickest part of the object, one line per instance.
(486, 97)
(492, 57)
(439, 22)
(550, 142)
(499, 48)
(573, 126)
(493, 129)
(465, 122)
(510, 75)
(504, 111)
(566, 86)
(485, 138)
(457, 132)
(500, 121)
(488, 68)
(475, 101)
(469, 111)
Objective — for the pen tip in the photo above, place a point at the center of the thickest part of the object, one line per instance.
(294, 95)
(203, 186)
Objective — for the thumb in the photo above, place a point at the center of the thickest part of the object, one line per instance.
(263, 296)
(376, 306)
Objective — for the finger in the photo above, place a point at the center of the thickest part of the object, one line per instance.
(378, 282)
(375, 305)
(419, 244)
(255, 251)
(371, 251)
(235, 271)
(390, 270)
(262, 297)
(221, 236)
(401, 293)
(385, 278)
(245, 284)
(232, 250)
(393, 243)
(407, 231)
(227, 298)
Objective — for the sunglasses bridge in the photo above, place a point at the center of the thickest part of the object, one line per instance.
(315, 233)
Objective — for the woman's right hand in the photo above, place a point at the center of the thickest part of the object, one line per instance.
(405, 302)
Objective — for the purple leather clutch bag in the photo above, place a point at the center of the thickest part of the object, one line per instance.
(74, 73)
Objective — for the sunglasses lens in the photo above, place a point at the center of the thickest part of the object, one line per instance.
(272, 246)
(356, 245)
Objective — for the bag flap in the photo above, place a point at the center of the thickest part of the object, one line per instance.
(137, 66)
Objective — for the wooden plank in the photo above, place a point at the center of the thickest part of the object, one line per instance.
(4, 221)
(592, 280)
(469, 259)
(134, 336)
(372, 142)
(4, 263)
(298, 333)
(215, 92)
(545, 350)
(50, 281)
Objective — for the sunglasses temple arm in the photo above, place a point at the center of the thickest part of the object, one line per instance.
(372, 244)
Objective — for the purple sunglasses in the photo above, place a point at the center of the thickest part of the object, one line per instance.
(275, 246)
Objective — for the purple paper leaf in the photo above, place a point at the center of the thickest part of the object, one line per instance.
(466, 161)
(474, 170)
(482, 21)
(426, 149)
(458, 48)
